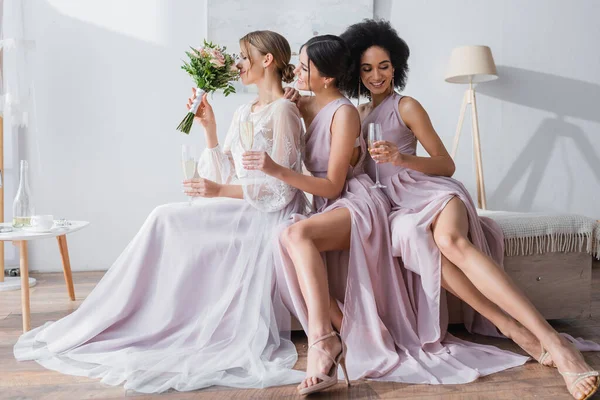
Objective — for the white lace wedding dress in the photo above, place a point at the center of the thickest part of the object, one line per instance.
(192, 302)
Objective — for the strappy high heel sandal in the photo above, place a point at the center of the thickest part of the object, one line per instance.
(581, 376)
(331, 378)
(543, 356)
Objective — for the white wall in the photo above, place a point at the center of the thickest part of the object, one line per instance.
(540, 121)
(110, 93)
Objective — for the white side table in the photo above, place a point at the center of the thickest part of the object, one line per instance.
(20, 238)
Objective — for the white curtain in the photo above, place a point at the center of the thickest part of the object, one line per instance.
(16, 83)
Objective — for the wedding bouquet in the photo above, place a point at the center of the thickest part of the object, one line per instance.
(212, 69)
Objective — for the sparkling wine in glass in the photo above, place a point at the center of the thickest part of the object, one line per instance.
(189, 162)
(247, 135)
(375, 136)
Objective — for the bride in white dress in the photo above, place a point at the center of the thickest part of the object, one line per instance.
(192, 302)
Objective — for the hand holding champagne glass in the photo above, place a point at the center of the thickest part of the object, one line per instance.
(375, 136)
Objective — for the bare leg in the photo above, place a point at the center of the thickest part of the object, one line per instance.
(493, 283)
(304, 241)
(456, 282)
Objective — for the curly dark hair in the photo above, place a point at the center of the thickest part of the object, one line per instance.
(370, 32)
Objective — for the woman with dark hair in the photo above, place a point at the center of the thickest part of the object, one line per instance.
(371, 303)
(350, 224)
(435, 228)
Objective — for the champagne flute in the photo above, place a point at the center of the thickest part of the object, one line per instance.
(189, 162)
(247, 135)
(375, 136)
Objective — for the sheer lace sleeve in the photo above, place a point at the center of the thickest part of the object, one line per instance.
(270, 194)
(216, 164)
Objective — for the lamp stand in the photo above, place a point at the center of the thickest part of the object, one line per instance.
(469, 98)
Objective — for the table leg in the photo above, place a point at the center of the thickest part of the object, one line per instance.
(2, 261)
(64, 254)
(25, 286)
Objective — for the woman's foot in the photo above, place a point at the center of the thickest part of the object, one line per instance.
(527, 341)
(318, 362)
(570, 364)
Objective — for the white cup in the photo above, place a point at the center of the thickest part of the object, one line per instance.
(42, 222)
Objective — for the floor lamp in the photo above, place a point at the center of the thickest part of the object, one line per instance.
(471, 65)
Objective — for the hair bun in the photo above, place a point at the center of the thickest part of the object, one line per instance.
(287, 74)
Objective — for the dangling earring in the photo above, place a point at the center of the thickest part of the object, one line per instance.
(393, 86)
(325, 86)
(358, 101)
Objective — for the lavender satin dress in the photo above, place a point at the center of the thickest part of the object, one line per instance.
(382, 326)
(417, 199)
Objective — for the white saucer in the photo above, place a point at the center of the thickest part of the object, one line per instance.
(36, 230)
(14, 283)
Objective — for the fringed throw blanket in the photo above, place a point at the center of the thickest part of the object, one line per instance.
(538, 233)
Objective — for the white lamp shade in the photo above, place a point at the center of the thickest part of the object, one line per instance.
(471, 64)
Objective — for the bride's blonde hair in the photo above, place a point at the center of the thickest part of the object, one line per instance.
(269, 42)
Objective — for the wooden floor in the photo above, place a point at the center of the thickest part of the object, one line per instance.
(49, 301)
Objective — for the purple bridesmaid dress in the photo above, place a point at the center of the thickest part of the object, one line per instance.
(417, 199)
(385, 339)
